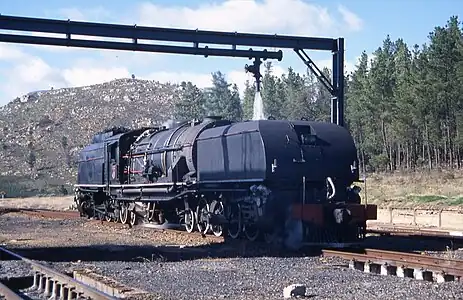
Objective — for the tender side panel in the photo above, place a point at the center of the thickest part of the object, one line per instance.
(281, 148)
(339, 151)
(91, 164)
(232, 152)
(332, 153)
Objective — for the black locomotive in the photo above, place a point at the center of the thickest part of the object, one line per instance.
(290, 182)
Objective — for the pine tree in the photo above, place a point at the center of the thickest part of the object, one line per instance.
(358, 116)
(221, 101)
(234, 111)
(190, 104)
(382, 83)
(272, 101)
(403, 127)
(296, 103)
(444, 56)
(248, 100)
(322, 105)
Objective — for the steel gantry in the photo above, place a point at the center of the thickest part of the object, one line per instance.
(199, 41)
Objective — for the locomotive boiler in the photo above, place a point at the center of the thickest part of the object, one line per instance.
(289, 182)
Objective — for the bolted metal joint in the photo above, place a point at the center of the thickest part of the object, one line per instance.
(255, 70)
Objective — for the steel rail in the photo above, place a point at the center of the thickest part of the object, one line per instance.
(414, 231)
(416, 258)
(48, 213)
(56, 278)
(402, 260)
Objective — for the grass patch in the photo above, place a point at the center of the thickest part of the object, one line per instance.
(457, 201)
(432, 189)
(21, 186)
(426, 198)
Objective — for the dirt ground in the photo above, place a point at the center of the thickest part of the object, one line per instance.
(55, 203)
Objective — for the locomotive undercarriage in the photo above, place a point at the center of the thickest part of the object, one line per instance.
(207, 212)
(236, 214)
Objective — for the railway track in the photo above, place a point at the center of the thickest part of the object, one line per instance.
(51, 283)
(46, 213)
(402, 264)
(406, 230)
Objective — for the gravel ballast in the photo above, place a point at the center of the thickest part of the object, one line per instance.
(14, 268)
(266, 277)
(131, 257)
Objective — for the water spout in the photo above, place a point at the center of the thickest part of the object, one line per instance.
(258, 110)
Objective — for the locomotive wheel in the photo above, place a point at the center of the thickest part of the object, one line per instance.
(271, 236)
(217, 209)
(190, 220)
(108, 217)
(233, 215)
(100, 216)
(124, 213)
(151, 211)
(251, 232)
(116, 216)
(202, 223)
(133, 218)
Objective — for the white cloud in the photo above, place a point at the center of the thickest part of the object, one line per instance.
(10, 52)
(29, 73)
(94, 14)
(78, 76)
(351, 19)
(269, 16)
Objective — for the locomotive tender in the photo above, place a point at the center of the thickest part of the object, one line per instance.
(290, 182)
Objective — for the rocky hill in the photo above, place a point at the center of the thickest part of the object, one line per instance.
(42, 132)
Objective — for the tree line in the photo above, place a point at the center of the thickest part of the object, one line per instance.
(403, 106)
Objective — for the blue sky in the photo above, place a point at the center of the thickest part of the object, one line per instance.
(363, 24)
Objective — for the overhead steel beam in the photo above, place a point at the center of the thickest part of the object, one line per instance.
(195, 37)
(164, 34)
(206, 51)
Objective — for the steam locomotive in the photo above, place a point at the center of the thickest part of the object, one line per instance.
(288, 182)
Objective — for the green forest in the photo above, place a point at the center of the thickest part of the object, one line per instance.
(404, 103)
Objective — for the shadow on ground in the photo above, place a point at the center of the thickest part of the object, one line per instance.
(231, 249)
